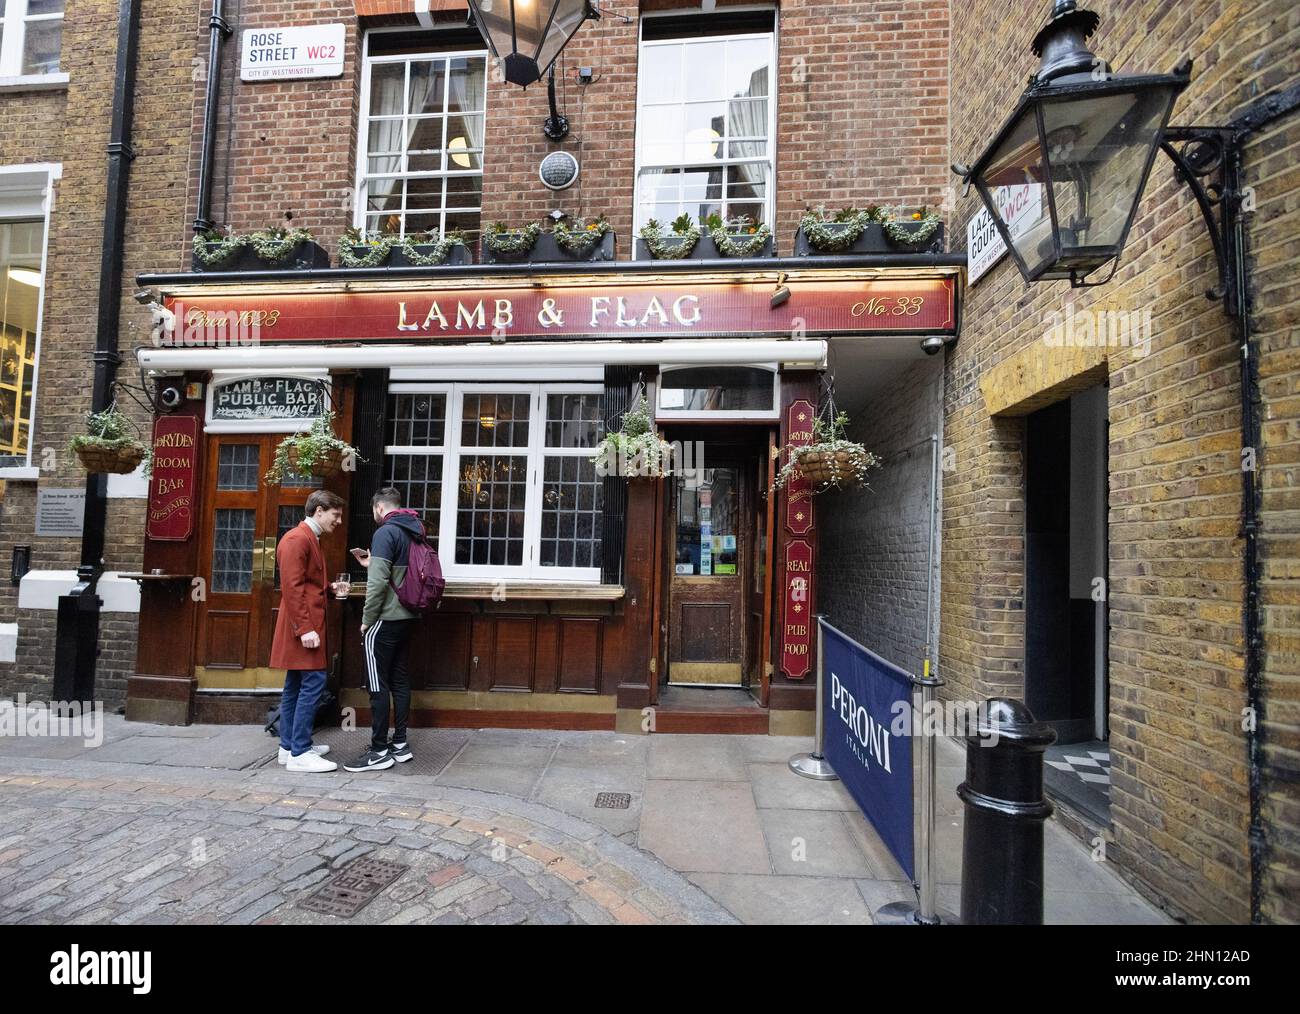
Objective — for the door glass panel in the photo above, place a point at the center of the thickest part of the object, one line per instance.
(572, 502)
(237, 466)
(495, 420)
(232, 551)
(287, 519)
(717, 389)
(706, 524)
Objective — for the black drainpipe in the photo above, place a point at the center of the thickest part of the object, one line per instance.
(77, 632)
(218, 31)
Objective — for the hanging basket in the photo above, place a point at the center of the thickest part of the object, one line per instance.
(840, 468)
(329, 464)
(118, 457)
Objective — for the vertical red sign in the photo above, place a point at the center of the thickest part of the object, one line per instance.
(798, 493)
(171, 485)
(797, 620)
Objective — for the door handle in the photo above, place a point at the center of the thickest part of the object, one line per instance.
(266, 559)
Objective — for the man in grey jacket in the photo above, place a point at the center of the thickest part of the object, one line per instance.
(386, 627)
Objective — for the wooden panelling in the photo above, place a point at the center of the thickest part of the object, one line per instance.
(705, 632)
(580, 646)
(442, 643)
(514, 648)
(227, 640)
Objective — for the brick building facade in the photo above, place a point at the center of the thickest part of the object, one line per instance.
(927, 84)
(1179, 807)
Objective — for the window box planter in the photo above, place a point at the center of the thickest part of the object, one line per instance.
(547, 251)
(704, 249)
(306, 256)
(396, 255)
(872, 241)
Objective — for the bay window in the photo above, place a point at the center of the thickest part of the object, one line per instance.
(705, 127)
(420, 166)
(31, 37)
(502, 476)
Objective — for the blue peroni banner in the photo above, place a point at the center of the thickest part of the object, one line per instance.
(860, 700)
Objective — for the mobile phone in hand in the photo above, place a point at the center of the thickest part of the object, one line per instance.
(361, 554)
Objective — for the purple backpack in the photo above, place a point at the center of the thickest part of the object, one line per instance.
(422, 587)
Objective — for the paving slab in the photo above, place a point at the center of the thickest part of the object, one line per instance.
(787, 901)
(711, 828)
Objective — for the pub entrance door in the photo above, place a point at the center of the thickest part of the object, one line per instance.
(717, 570)
(242, 522)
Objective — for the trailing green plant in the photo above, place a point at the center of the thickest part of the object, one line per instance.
(838, 230)
(506, 242)
(315, 452)
(831, 461)
(442, 245)
(274, 245)
(741, 236)
(580, 236)
(109, 443)
(675, 243)
(376, 248)
(214, 248)
(636, 449)
(894, 224)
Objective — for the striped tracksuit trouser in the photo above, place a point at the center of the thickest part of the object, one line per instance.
(386, 645)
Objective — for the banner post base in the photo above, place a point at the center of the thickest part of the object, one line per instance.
(811, 765)
(904, 913)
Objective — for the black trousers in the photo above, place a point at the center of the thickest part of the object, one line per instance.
(385, 647)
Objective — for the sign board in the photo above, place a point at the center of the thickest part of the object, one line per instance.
(862, 695)
(263, 398)
(173, 478)
(465, 310)
(279, 54)
(797, 618)
(60, 512)
(1021, 207)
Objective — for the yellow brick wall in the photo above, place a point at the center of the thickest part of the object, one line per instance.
(1179, 796)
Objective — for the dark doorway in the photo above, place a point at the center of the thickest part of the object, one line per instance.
(1066, 583)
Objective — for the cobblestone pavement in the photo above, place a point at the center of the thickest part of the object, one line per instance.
(79, 844)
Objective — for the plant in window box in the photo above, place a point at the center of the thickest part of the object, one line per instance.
(315, 452)
(831, 461)
(581, 237)
(426, 249)
(636, 449)
(361, 250)
(500, 242)
(277, 247)
(674, 243)
(107, 446)
(741, 236)
(823, 231)
(912, 228)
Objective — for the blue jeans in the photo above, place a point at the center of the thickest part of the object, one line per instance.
(302, 690)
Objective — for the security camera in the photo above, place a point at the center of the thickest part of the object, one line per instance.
(145, 296)
(585, 75)
(170, 396)
(931, 344)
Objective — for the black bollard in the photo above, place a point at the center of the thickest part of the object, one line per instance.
(1002, 842)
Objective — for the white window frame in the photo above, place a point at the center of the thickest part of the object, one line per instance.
(15, 21)
(26, 192)
(722, 163)
(536, 452)
(694, 413)
(360, 197)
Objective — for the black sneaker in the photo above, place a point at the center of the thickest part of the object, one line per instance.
(370, 761)
(401, 754)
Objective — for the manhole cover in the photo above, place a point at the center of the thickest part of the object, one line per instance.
(613, 800)
(354, 888)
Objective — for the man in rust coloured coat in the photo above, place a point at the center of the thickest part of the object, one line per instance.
(299, 643)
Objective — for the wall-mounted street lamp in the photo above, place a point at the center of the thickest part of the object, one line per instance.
(527, 35)
(1084, 139)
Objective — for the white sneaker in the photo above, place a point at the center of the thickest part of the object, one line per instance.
(319, 749)
(310, 762)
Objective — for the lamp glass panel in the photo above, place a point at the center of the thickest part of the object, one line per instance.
(569, 16)
(1099, 149)
(1018, 163)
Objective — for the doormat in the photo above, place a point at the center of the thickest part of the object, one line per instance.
(355, 887)
(613, 800)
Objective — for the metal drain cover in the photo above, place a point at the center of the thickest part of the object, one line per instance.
(353, 888)
(613, 800)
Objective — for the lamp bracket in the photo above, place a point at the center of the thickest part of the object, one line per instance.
(1207, 160)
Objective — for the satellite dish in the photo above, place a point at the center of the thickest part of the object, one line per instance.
(559, 170)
